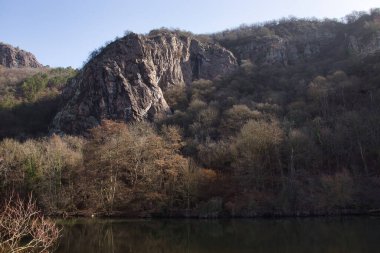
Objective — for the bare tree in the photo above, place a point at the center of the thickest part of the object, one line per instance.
(24, 229)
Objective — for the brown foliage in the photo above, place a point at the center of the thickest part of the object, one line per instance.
(133, 163)
(257, 154)
(46, 166)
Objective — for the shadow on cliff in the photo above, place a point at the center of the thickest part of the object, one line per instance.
(28, 119)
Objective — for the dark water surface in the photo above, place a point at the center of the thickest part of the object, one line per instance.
(319, 235)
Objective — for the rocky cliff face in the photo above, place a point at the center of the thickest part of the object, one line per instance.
(12, 57)
(301, 41)
(271, 50)
(363, 47)
(365, 41)
(286, 43)
(125, 81)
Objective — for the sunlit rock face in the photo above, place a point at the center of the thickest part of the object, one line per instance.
(12, 57)
(125, 80)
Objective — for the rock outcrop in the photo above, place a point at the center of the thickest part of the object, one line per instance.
(287, 43)
(364, 47)
(125, 80)
(275, 49)
(12, 57)
(292, 42)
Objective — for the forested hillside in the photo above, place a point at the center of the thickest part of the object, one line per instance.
(293, 130)
(30, 99)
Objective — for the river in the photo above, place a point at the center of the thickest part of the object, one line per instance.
(290, 235)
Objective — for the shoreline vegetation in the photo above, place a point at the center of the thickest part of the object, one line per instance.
(114, 173)
(23, 228)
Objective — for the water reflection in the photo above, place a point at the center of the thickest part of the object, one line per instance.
(328, 235)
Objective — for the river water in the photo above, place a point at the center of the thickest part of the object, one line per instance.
(290, 235)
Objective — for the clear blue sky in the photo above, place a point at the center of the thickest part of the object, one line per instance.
(63, 32)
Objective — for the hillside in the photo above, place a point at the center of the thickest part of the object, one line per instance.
(30, 97)
(275, 119)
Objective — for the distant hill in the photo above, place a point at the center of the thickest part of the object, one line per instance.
(13, 57)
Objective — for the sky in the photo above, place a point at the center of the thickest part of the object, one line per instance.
(64, 32)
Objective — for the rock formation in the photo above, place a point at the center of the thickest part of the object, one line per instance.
(300, 41)
(125, 80)
(274, 49)
(12, 57)
(286, 43)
